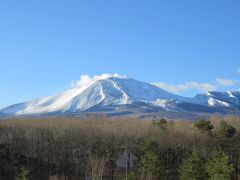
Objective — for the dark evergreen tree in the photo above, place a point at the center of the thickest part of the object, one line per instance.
(151, 161)
(218, 167)
(192, 168)
(225, 130)
(132, 176)
(204, 126)
(22, 175)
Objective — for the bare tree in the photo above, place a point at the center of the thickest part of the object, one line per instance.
(95, 167)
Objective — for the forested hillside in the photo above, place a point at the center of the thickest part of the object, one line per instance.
(71, 148)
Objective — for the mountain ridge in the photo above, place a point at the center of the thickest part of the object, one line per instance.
(114, 94)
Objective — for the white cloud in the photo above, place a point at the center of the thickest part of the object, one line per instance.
(225, 82)
(86, 80)
(186, 86)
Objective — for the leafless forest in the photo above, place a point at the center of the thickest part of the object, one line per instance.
(74, 148)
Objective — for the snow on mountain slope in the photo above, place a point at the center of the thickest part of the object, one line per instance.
(105, 89)
(116, 91)
(224, 99)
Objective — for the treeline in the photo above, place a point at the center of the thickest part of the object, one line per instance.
(71, 148)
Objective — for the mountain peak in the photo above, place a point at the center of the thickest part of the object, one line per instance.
(114, 92)
(86, 80)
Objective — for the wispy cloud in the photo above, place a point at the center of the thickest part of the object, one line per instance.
(226, 82)
(238, 70)
(86, 80)
(179, 88)
(219, 83)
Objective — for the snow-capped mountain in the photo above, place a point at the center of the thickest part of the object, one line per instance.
(122, 95)
(221, 99)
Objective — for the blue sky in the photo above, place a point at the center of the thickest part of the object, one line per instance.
(187, 46)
